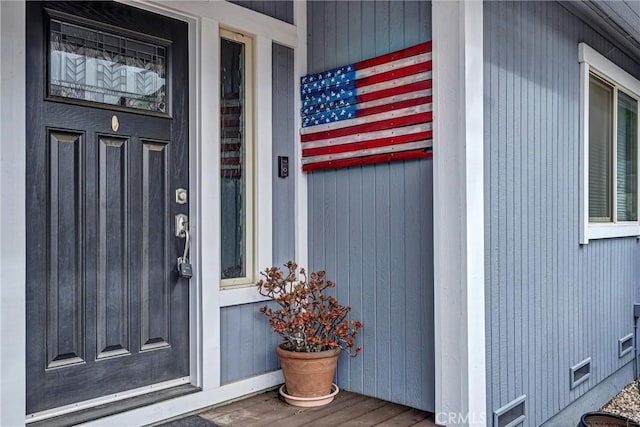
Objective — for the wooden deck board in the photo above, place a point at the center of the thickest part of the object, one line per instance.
(409, 417)
(339, 418)
(377, 416)
(305, 416)
(348, 409)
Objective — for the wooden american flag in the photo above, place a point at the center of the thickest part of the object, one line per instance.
(373, 111)
(231, 150)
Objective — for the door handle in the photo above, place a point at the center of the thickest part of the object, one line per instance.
(182, 224)
(182, 231)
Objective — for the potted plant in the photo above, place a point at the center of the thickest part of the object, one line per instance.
(315, 329)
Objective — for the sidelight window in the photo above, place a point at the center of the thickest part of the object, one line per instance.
(236, 159)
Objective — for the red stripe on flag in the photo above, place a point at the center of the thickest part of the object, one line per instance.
(394, 74)
(394, 56)
(379, 158)
(393, 106)
(369, 127)
(373, 143)
(230, 110)
(385, 93)
(230, 161)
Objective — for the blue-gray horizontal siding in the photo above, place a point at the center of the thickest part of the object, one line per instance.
(279, 9)
(247, 341)
(371, 227)
(551, 303)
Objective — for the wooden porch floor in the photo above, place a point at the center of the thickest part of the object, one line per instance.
(347, 410)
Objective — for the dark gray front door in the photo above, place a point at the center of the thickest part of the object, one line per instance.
(107, 146)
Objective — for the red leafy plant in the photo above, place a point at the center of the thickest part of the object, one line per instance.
(308, 319)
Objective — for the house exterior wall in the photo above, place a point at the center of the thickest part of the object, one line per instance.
(371, 227)
(551, 302)
(280, 9)
(247, 342)
(283, 145)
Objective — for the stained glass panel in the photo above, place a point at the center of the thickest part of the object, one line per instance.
(97, 66)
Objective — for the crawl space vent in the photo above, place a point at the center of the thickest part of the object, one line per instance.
(512, 414)
(625, 345)
(580, 372)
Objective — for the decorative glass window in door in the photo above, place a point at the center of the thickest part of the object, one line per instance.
(92, 65)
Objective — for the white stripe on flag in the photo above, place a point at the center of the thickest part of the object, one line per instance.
(368, 152)
(394, 83)
(395, 98)
(400, 63)
(423, 108)
(368, 136)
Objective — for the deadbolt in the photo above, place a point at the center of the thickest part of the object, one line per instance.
(181, 196)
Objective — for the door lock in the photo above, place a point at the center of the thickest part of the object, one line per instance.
(181, 196)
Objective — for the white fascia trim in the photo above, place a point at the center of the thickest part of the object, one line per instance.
(301, 196)
(459, 311)
(12, 209)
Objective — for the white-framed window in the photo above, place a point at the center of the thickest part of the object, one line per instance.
(237, 148)
(609, 137)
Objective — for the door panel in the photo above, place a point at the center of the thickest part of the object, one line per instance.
(155, 291)
(106, 311)
(65, 290)
(112, 299)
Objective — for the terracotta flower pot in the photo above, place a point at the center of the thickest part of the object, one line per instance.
(308, 374)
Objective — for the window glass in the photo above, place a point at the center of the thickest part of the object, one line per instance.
(97, 66)
(600, 148)
(233, 157)
(627, 158)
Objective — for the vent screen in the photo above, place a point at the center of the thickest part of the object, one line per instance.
(580, 372)
(625, 345)
(512, 414)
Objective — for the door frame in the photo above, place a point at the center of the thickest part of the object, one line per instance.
(206, 299)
